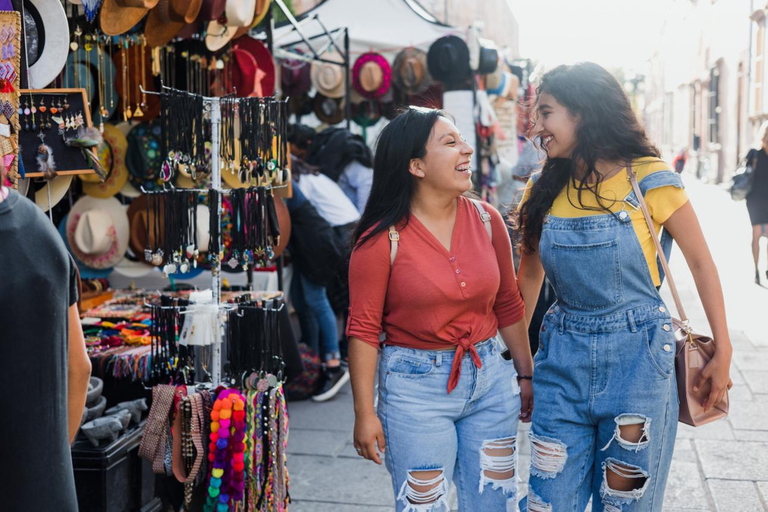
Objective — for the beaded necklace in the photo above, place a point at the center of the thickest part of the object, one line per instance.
(226, 452)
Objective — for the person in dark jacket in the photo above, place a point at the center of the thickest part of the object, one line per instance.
(757, 199)
(316, 253)
(339, 154)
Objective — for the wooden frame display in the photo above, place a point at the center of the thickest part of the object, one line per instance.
(69, 160)
(10, 34)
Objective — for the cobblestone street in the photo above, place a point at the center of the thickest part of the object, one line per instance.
(718, 467)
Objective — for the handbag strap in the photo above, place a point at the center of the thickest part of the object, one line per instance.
(655, 237)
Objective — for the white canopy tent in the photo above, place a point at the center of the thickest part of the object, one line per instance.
(384, 26)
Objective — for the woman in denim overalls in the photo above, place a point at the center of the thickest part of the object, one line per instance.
(604, 372)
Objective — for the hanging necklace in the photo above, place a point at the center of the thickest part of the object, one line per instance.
(138, 49)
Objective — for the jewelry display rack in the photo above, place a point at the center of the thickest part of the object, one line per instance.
(212, 106)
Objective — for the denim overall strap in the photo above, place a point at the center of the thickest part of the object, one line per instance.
(650, 182)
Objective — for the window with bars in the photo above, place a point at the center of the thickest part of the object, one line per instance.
(714, 105)
(758, 78)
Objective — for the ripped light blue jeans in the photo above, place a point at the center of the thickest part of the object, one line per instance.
(468, 436)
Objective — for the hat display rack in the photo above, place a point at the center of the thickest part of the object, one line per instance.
(327, 61)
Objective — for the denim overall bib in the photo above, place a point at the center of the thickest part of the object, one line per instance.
(605, 362)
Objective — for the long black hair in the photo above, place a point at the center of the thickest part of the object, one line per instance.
(607, 130)
(402, 140)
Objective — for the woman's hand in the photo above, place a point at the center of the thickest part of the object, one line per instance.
(526, 400)
(369, 433)
(717, 372)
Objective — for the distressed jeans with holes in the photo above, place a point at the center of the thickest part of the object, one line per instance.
(468, 436)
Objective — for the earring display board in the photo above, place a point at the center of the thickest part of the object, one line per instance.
(10, 43)
(52, 116)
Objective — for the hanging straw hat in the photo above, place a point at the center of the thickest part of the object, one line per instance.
(327, 78)
(58, 188)
(237, 14)
(98, 232)
(47, 45)
(168, 18)
(260, 12)
(85, 272)
(119, 16)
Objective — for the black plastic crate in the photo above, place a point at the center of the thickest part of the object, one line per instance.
(113, 478)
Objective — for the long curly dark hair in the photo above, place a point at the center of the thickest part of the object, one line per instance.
(607, 130)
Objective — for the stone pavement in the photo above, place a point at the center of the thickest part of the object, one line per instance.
(719, 467)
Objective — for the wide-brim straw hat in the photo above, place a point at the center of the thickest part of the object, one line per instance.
(237, 14)
(98, 232)
(260, 12)
(58, 188)
(85, 272)
(119, 16)
(49, 42)
(328, 79)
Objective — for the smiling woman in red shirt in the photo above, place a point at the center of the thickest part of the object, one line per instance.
(431, 275)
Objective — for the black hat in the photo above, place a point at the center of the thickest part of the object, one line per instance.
(448, 60)
(489, 60)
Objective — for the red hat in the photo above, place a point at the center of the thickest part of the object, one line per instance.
(371, 75)
(264, 63)
(243, 71)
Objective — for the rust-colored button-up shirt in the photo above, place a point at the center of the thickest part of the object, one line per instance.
(433, 298)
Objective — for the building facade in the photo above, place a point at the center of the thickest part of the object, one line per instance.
(699, 92)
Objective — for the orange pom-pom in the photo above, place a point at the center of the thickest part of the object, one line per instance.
(215, 415)
(225, 414)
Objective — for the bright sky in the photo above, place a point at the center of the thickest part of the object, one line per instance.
(609, 32)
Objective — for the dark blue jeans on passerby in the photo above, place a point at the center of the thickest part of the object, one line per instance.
(309, 299)
(315, 316)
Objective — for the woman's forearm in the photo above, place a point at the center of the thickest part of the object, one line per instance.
(362, 373)
(515, 337)
(711, 292)
(529, 280)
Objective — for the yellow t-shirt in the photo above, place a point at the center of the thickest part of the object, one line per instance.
(662, 203)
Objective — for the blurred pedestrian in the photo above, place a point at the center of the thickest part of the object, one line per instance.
(320, 213)
(680, 159)
(339, 154)
(433, 270)
(757, 198)
(607, 408)
(45, 365)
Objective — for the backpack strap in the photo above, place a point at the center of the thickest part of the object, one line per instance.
(394, 236)
(485, 217)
